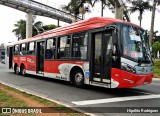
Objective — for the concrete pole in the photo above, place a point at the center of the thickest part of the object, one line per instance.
(58, 23)
(152, 23)
(29, 27)
(119, 12)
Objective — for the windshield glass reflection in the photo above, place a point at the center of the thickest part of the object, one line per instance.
(135, 44)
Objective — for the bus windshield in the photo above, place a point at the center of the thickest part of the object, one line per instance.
(135, 44)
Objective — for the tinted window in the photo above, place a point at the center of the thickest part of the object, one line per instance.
(23, 49)
(63, 47)
(51, 49)
(31, 48)
(16, 50)
(79, 46)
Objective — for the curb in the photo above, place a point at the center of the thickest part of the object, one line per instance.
(157, 79)
(44, 97)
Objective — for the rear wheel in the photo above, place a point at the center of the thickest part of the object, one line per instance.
(23, 70)
(78, 78)
(17, 70)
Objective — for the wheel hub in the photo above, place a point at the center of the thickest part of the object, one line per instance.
(23, 71)
(17, 70)
(78, 77)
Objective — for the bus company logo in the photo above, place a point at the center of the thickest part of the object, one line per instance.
(23, 58)
(31, 60)
(15, 58)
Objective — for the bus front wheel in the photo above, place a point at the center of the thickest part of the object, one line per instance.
(78, 78)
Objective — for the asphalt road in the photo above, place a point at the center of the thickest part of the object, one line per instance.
(91, 99)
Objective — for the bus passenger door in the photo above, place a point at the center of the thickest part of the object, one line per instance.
(40, 57)
(10, 50)
(101, 57)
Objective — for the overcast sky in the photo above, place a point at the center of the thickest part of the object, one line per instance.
(9, 16)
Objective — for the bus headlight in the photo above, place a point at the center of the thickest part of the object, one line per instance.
(128, 68)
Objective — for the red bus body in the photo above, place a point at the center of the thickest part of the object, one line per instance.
(64, 68)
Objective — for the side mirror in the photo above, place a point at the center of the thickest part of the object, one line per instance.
(114, 38)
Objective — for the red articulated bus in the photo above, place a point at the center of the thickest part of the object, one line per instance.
(99, 51)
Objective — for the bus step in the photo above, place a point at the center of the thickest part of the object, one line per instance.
(107, 85)
(40, 72)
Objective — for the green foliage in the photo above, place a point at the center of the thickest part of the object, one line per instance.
(49, 27)
(156, 47)
(37, 28)
(156, 67)
(20, 28)
(7, 100)
(73, 6)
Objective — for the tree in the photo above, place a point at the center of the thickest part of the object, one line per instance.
(155, 3)
(49, 27)
(156, 47)
(37, 28)
(71, 7)
(20, 28)
(140, 6)
(74, 5)
(104, 3)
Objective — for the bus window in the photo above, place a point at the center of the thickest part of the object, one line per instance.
(31, 48)
(63, 47)
(16, 50)
(79, 46)
(51, 49)
(23, 49)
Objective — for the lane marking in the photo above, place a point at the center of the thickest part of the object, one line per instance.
(118, 99)
(156, 79)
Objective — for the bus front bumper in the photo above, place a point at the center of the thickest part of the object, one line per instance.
(127, 79)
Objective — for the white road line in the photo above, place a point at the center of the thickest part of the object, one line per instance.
(156, 79)
(118, 99)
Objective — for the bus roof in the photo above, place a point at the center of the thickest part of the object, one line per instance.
(91, 23)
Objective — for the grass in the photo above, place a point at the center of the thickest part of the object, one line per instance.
(7, 100)
(39, 99)
(156, 68)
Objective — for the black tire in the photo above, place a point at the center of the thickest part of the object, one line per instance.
(23, 70)
(78, 78)
(17, 70)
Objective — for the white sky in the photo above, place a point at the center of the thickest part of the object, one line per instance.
(9, 16)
